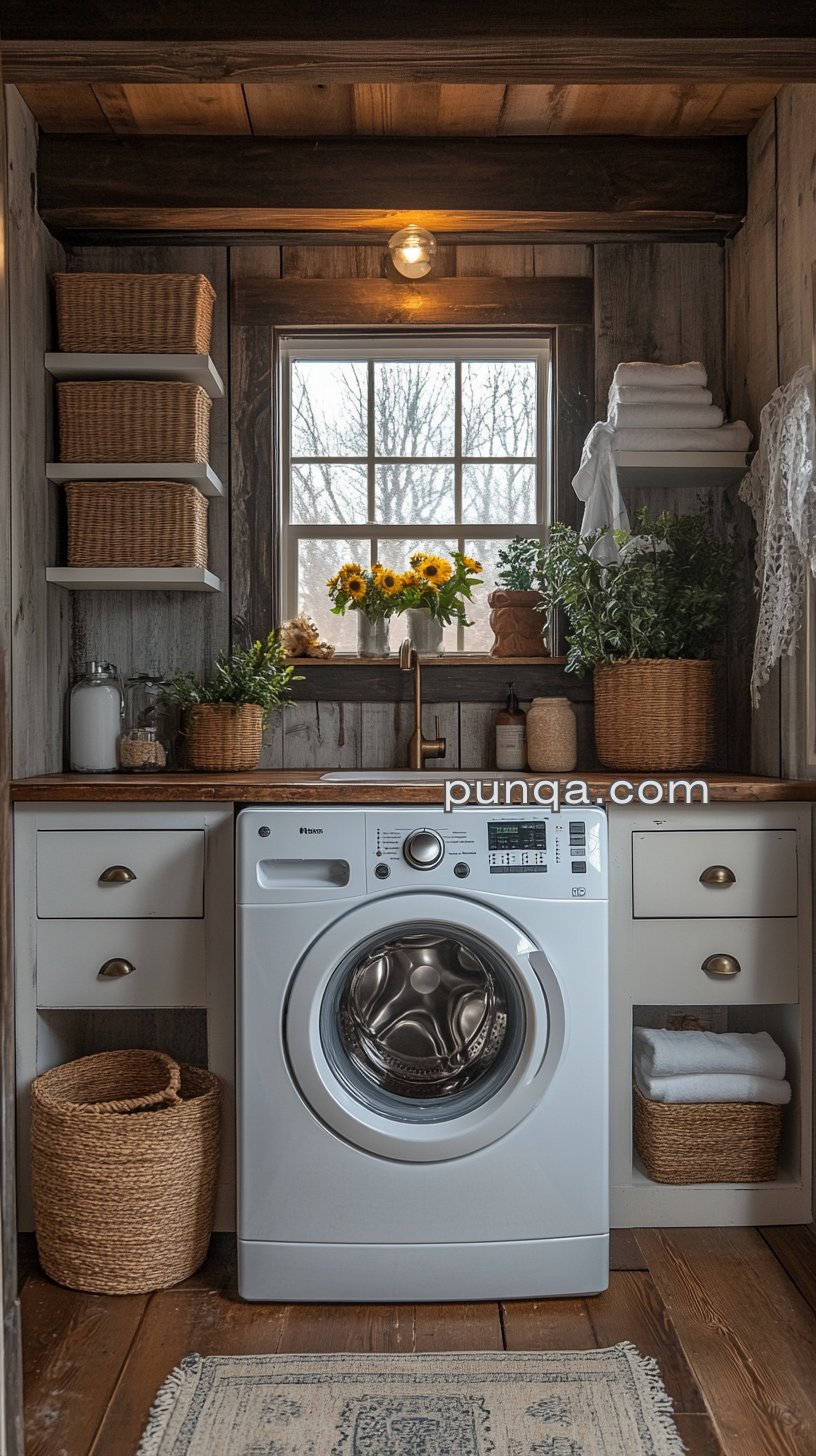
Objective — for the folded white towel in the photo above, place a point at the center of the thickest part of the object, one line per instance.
(655, 394)
(663, 1053)
(673, 416)
(717, 1088)
(736, 436)
(660, 375)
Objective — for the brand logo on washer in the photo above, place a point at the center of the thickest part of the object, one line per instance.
(305, 830)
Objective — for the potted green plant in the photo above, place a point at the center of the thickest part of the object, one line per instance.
(433, 593)
(373, 594)
(518, 630)
(647, 625)
(225, 716)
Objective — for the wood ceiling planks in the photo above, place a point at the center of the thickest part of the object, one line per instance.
(420, 109)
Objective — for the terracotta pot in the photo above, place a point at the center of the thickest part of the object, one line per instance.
(223, 737)
(655, 714)
(518, 629)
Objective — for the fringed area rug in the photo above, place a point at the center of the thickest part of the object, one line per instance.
(547, 1403)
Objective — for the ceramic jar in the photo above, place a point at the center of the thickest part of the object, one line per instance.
(424, 631)
(518, 629)
(372, 637)
(552, 736)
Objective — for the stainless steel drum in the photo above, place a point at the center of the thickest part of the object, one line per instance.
(422, 1015)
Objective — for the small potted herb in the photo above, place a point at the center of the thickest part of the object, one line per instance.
(648, 626)
(225, 716)
(518, 629)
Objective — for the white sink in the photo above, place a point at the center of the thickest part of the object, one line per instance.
(412, 776)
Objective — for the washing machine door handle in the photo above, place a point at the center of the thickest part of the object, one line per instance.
(542, 965)
(542, 968)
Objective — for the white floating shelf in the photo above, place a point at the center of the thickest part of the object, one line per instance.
(188, 368)
(672, 468)
(134, 578)
(202, 476)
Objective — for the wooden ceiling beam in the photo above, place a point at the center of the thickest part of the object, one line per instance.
(453, 185)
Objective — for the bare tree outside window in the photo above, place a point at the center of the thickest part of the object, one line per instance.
(390, 447)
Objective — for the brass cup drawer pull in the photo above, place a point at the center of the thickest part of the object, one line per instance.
(115, 969)
(721, 965)
(117, 875)
(718, 877)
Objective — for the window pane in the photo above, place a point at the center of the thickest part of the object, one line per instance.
(505, 494)
(317, 561)
(414, 406)
(414, 493)
(329, 407)
(331, 495)
(499, 405)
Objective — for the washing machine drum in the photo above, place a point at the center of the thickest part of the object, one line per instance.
(423, 1015)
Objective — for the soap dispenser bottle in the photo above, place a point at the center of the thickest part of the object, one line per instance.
(511, 734)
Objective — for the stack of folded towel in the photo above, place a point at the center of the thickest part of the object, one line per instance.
(709, 1066)
(668, 407)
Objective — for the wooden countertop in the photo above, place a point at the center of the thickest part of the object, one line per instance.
(262, 787)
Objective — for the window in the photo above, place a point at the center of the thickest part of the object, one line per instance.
(395, 445)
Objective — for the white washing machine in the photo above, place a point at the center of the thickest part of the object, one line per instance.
(423, 1053)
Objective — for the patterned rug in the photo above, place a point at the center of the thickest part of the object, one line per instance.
(559, 1403)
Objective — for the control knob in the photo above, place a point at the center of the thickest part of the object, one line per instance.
(424, 849)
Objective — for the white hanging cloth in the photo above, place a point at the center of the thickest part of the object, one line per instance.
(780, 489)
(596, 483)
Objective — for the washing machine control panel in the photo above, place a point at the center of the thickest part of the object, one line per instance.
(527, 852)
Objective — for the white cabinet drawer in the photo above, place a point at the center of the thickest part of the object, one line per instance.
(167, 866)
(167, 960)
(757, 868)
(668, 962)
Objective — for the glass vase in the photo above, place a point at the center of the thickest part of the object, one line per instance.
(425, 631)
(372, 637)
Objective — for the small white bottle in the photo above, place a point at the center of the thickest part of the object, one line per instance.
(511, 735)
(95, 719)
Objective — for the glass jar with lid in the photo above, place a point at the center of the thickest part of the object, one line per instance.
(147, 739)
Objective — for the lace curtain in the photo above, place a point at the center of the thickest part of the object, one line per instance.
(780, 489)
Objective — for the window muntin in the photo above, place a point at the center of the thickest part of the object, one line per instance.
(396, 444)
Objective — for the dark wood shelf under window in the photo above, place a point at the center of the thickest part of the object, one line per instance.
(454, 677)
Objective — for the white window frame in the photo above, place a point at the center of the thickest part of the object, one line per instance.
(457, 346)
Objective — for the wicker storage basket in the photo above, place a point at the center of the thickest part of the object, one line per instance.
(223, 737)
(136, 523)
(707, 1142)
(124, 1193)
(655, 714)
(134, 313)
(133, 419)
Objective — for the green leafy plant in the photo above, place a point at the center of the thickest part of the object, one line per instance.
(667, 596)
(257, 674)
(519, 564)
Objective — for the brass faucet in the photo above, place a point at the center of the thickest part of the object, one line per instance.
(419, 748)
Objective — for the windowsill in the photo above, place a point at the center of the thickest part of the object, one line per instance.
(469, 659)
(467, 677)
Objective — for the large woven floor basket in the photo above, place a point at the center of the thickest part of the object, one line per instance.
(136, 523)
(707, 1142)
(134, 313)
(125, 1150)
(133, 419)
(655, 714)
(223, 737)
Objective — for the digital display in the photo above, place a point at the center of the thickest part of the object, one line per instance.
(517, 834)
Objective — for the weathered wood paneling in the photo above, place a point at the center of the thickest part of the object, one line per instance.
(796, 197)
(40, 613)
(169, 630)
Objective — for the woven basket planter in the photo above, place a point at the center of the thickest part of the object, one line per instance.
(655, 714)
(134, 313)
(133, 419)
(124, 1186)
(224, 737)
(518, 629)
(707, 1142)
(136, 523)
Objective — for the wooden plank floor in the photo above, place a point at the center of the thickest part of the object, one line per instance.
(729, 1314)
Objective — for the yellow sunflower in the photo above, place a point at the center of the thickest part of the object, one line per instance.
(417, 557)
(435, 570)
(470, 564)
(355, 587)
(388, 581)
(351, 568)
(332, 581)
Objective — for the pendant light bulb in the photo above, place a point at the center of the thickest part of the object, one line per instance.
(412, 250)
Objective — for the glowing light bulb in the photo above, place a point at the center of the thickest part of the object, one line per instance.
(412, 250)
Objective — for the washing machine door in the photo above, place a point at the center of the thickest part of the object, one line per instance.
(423, 1027)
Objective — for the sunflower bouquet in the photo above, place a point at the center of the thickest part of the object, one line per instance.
(440, 585)
(375, 591)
